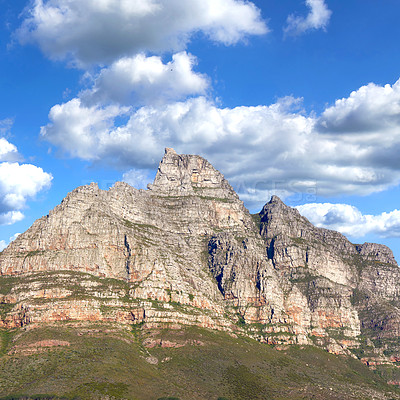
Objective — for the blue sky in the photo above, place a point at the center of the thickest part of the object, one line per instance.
(290, 97)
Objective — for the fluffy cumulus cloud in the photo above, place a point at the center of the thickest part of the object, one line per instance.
(370, 116)
(8, 151)
(365, 112)
(86, 126)
(141, 80)
(318, 18)
(94, 31)
(79, 130)
(350, 221)
(11, 217)
(259, 148)
(262, 149)
(19, 182)
(194, 125)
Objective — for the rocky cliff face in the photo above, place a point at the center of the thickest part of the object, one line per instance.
(186, 251)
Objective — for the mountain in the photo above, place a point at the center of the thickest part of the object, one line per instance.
(157, 268)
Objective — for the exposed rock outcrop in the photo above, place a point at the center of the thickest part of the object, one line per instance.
(376, 252)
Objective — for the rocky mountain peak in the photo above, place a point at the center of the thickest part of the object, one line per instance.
(276, 200)
(277, 218)
(182, 174)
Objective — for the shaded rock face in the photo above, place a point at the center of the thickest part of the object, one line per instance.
(292, 241)
(187, 251)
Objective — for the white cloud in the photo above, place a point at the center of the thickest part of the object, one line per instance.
(366, 111)
(195, 125)
(318, 18)
(8, 151)
(137, 178)
(10, 217)
(79, 130)
(370, 120)
(19, 182)
(93, 31)
(3, 245)
(262, 150)
(142, 80)
(85, 126)
(258, 148)
(350, 221)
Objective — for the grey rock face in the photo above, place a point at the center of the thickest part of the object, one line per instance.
(293, 241)
(188, 175)
(377, 252)
(187, 251)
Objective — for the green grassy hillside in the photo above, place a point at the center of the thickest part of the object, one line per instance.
(106, 362)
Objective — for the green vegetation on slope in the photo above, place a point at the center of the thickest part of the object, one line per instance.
(105, 362)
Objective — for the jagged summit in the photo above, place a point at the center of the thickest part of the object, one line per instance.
(185, 174)
(275, 199)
